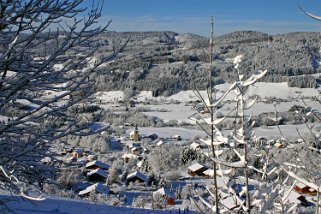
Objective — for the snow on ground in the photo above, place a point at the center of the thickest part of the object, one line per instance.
(268, 90)
(110, 96)
(263, 89)
(270, 132)
(168, 132)
(182, 96)
(280, 90)
(70, 206)
(178, 112)
(181, 112)
(289, 131)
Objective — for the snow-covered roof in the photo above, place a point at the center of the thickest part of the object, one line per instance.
(196, 166)
(98, 171)
(97, 163)
(229, 202)
(164, 191)
(300, 185)
(140, 163)
(292, 196)
(46, 160)
(195, 145)
(78, 151)
(209, 172)
(138, 175)
(159, 143)
(129, 155)
(134, 148)
(99, 187)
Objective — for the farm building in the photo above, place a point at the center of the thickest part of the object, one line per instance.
(169, 197)
(98, 187)
(97, 175)
(196, 169)
(96, 165)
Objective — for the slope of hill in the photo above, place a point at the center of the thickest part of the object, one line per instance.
(168, 62)
(69, 206)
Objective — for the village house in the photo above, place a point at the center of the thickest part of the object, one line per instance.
(304, 189)
(91, 158)
(152, 136)
(67, 150)
(46, 160)
(195, 146)
(160, 143)
(166, 194)
(177, 137)
(77, 153)
(136, 150)
(127, 157)
(260, 141)
(98, 187)
(278, 145)
(295, 198)
(132, 103)
(97, 175)
(209, 173)
(229, 203)
(96, 165)
(137, 176)
(196, 169)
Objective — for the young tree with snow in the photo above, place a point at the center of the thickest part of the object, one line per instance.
(241, 136)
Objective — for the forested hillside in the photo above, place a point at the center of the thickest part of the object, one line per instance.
(167, 62)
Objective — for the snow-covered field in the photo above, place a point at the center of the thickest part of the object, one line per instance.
(262, 89)
(270, 132)
(168, 132)
(181, 112)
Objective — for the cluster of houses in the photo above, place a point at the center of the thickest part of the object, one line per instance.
(97, 172)
(97, 175)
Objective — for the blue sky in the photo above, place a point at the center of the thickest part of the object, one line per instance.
(193, 16)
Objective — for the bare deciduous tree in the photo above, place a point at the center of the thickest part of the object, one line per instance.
(43, 75)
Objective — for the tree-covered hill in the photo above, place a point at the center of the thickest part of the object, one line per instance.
(167, 62)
